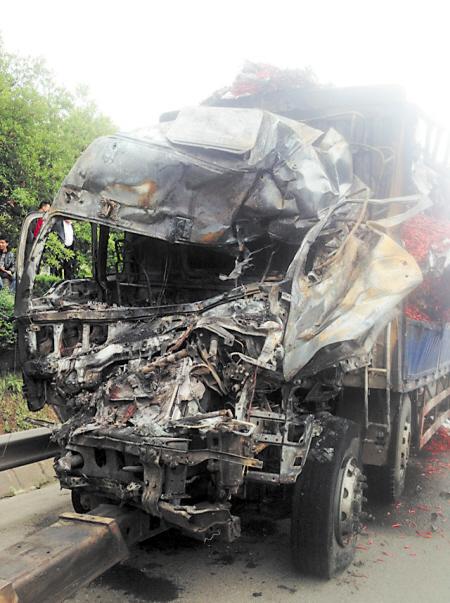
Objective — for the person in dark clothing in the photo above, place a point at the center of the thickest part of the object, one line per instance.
(7, 263)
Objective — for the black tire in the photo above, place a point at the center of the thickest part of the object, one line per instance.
(83, 502)
(321, 544)
(387, 483)
(399, 453)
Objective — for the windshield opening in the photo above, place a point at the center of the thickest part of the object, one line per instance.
(118, 268)
(67, 254)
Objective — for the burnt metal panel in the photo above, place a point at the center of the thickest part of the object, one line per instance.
(279, 172)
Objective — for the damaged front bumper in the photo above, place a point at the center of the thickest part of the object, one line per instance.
(170, 412)
(156, 479)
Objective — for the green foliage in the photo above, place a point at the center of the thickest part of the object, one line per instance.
(83, 238)
(43, 129)
(14, 413)
(55, 252)
(43, 283)
(7, 336)
(114, 259)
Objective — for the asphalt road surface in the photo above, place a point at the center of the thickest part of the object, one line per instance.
(403, 555)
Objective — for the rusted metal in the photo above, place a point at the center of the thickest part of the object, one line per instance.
(7, 592)
(55, 562)
(25, 447)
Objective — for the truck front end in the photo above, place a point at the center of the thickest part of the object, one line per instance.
(234, 280)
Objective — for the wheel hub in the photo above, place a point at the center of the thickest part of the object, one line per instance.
(350, 502)
(405, 444)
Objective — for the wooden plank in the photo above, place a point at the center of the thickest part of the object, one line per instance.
(433, 428)
(432, 402)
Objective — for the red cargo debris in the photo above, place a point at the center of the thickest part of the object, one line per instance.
(414, 313)
(439, 443)
(423, 507)
(262, 78)
(423, 534)
(422, 234)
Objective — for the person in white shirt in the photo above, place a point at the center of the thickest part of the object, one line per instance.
(68, 233)
(65, 232)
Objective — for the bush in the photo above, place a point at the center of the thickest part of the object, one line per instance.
(14, 413)
(7, 335)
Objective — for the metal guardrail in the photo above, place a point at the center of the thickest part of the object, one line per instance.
(26, 447)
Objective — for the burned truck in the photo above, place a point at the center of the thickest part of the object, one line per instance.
(240, 334)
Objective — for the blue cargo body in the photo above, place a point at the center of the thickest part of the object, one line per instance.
(426, 349)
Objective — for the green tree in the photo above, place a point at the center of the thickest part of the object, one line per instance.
(7, 336)
(43, 129)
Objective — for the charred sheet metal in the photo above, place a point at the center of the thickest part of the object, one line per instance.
(209, 175)
(354, 297)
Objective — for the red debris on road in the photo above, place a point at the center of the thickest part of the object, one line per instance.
(439, 443)
(423, 534)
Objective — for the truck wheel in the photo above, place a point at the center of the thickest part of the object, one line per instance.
(387, 482)
(83, 502)
(399, 452)
(327, 501)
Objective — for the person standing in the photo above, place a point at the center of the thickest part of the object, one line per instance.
(64, 229)
(36, 226)
(7, 263)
